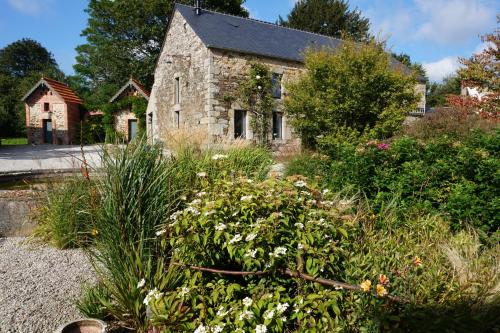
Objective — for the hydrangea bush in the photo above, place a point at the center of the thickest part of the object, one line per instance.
(266, 257)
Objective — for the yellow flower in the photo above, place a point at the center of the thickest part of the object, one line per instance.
(381, 291)
(417, 261)
(366, 285)
(94, 232)
(383, 279)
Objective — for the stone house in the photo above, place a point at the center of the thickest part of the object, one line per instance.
(204, 57)
(125, 122)
(53, 113)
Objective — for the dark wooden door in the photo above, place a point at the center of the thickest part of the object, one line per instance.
(47, 131)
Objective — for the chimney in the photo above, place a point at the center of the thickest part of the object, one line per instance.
(197, 5)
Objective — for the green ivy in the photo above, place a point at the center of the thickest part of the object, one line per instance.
(138, 106)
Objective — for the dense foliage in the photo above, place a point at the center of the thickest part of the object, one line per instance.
(350, 92)
(136, 104)
(124, 38)
(22, 64)
(438, 92)
(457, 178)
(328, 17)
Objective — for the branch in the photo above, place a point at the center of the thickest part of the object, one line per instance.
(288, 272)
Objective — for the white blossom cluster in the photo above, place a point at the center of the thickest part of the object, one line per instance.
(152, 294)
(278, 252)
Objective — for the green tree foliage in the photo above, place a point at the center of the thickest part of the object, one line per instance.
(125, 38)
(415, 66)
(22, 64)
(438, 91)
(352, 91)
(327, 17)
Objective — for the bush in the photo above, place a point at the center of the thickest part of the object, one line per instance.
(65, 216)
(250, 250)
(456, 178)
(453, 122)
(139, 190)
(355, 90)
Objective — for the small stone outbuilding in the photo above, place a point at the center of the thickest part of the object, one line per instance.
(205, 57)
(125, 121)
(53, 113)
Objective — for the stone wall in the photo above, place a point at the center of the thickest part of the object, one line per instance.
(185, 57)
(228, 70)
(420, 89)
(15, 213)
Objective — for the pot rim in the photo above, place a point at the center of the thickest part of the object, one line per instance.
(100, 322)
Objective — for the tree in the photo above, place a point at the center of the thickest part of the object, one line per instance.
(482, 71)
(125, 37)
(328, 17)
(415, 66)
(22, 64)
(437, 93)
(350, 92)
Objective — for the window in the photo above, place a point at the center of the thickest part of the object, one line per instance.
(46, 107)
(276, 83)
(277, 126)
(177, 119)
(240, 124)
(177, 90)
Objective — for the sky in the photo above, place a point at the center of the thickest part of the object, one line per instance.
(433, 32)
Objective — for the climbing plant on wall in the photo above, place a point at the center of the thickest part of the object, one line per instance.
(136, 104)
(257, 98)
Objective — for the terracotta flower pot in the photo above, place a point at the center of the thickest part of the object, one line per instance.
(83, 326)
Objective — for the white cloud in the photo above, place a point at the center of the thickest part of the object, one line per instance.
(32, 7)
(453, 21)
(438, 70)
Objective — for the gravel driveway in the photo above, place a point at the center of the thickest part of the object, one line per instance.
(46, 157)
(38, 285)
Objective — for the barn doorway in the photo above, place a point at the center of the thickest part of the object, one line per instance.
(132, 129)
(47, 131)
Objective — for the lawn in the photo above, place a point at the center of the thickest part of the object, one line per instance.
(14, 141)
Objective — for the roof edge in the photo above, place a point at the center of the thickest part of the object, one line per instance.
(130, 82)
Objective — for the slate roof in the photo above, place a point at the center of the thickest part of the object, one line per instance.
(250, 36)
(228, 32)
(59, 88)
(131, 83)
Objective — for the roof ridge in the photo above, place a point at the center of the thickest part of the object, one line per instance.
(261, 21)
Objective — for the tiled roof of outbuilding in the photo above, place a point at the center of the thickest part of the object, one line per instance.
(131, 83)
(59, 88)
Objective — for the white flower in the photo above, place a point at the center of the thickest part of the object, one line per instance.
(161, 232)
(325, 191)
(210, 213)
(236, 239)
(222, 312)
(152, 293)
(259, 87)
(311, 202)
(175, 215)
(218, 157)
(141, 284)
(261, 329)
(246, 315)
(300, 183)
(299, 225)
(220, 227)
(247, 301)
(195, 202)
(246, 198)
(193, 211)
(184, 291)
(300, 246)
(278, 251)
(283, 319)
(249, 181)
(269, 314)
(218, 328)
(282, 307)
(250, 253)
(201, 329)
(200, 194)
(258, 77)
(201, 174)
(251, 237)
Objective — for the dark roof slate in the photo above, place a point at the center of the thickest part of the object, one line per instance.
(249, 36)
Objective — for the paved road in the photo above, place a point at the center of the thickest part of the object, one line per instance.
(46, 157)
